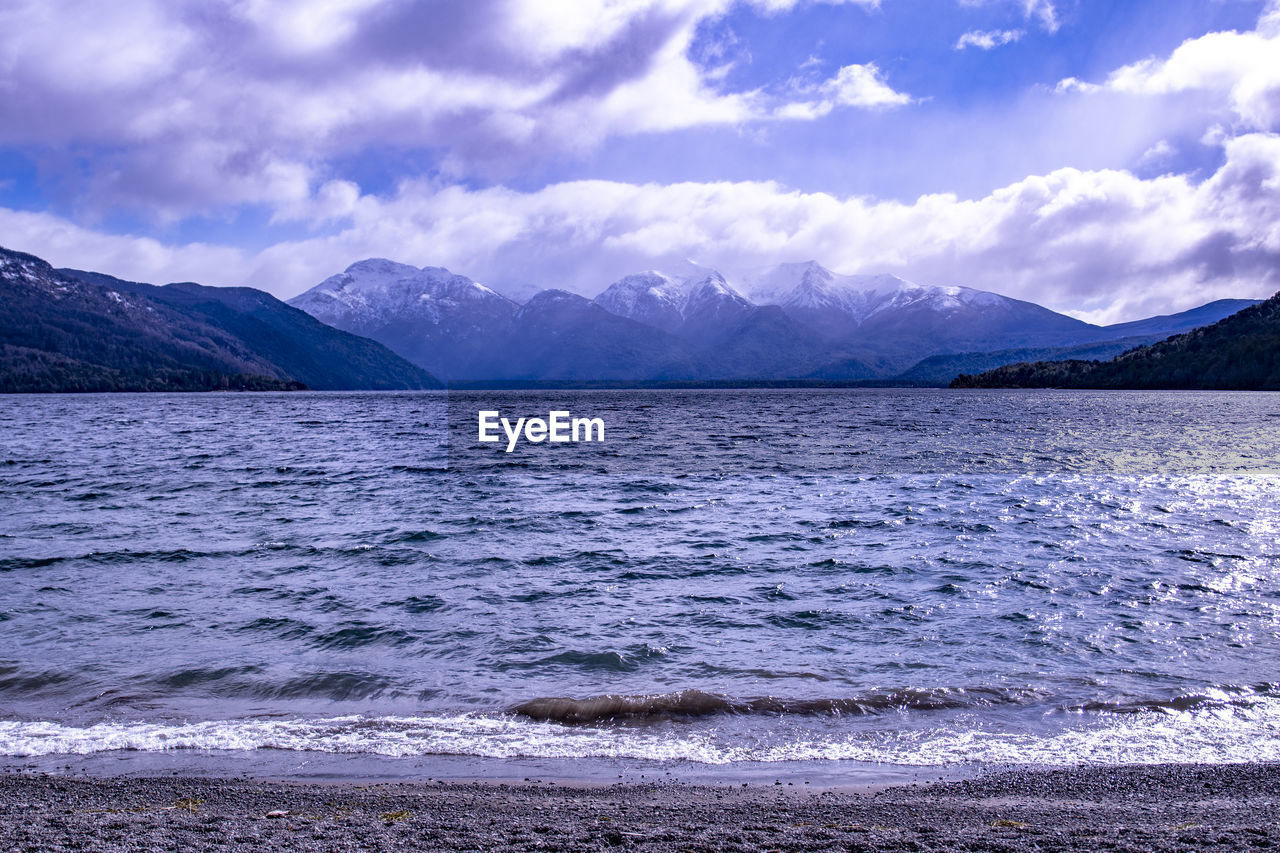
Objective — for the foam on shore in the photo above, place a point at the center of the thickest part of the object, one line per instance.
(1213, 734)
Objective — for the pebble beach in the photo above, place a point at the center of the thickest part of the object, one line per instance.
(1158, 807)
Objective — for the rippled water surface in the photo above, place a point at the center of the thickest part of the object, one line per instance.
(916, 577)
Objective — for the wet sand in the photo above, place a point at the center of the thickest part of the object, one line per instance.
(1166, 808)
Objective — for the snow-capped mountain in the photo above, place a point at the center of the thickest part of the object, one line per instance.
(430, 316)
(688, 322)
(693, 301)
(898, 315)
(811, 287)
(652, 298)
(376, 292)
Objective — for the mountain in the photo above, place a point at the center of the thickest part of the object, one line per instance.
(1113, 340)
(696, 303)
(903, 322)
(442, 322)
(692, 325)
(76, 330)
(831, 304)
(923, 333)
(939, 370)
(652, 298)
(558, 335)
(301, 347)
(1241, 351)
(462, 330)
(731, 337)
(1165, 325)
(64, 330)
(768, 344)
(689, 323)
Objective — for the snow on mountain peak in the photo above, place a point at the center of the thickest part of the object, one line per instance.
(377, 291)
(810, 287)
(783, 278)
(666, 299)
(372, 269)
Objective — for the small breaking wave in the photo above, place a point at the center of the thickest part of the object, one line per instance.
(696, 703)
(1229, 696)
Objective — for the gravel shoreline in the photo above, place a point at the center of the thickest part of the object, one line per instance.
(1163, 807)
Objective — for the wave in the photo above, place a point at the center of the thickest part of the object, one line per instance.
(182, 555)
(696, 703)
(1205, 735)
(1228, 696)
(130, 557)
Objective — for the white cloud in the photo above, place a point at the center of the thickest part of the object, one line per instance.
(860, 86)
(304, 26)
(987, 39)
(1157, 154)
(1075, 84)
(863, 86)
(782, 5)
(63, 243)
(1103, 244)
(187, 104)
(1042, 11)
(1241, 68)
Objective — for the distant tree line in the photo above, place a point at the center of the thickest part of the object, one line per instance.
(24, 370)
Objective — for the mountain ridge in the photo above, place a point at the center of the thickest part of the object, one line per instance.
(1238, 352)
(68, 330)
(436, 319)
(805, 322)
(97, 332)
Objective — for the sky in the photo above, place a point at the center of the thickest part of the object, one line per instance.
(1112, 160)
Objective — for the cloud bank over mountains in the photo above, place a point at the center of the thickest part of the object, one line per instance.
(182, 112)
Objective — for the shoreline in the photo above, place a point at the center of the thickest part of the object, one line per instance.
(315, 767)
(1141, 807)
